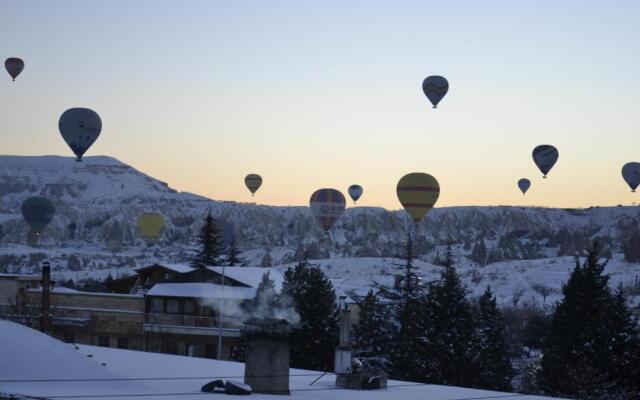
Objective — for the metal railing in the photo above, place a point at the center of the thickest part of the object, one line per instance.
(191, 321)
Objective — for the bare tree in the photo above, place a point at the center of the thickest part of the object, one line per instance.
(516, 295)
(543, 290)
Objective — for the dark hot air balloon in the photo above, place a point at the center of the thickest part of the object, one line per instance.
(253, 182)
(327, 205)
(524, 184)
(80, 127)
(545, 156)
(38, 213)
(631, 175)
(435, 88)
(355, 191)
(418, 193)
(14, 66)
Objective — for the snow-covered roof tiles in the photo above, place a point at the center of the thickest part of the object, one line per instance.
(179, 268)
(201, 290)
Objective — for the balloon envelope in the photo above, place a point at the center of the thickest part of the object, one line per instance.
(253, 182)
(80, 127)
(631, 175)
(38, 213)
(355, 191)
(327, 205)
(151, 225)
(435, 88)
(418, 192)
(524, 184)
(545, 156)
(14, 66)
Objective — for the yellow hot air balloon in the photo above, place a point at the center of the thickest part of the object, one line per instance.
(151, 225)
(253, 182)
(418, 192)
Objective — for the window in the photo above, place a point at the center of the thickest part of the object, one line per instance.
(191, 350)
(189, 307)
(123, 343)
(69, 337)
(210, 351)
(103, 341)
(156, 306)
(172, 347)
(173, 306)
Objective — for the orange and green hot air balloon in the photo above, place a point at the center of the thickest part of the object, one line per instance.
(253, 182)
(418, 192)
(151, 225)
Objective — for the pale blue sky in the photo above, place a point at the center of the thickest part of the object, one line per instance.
(326, 94)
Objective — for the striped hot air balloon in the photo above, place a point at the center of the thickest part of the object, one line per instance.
(435, 88)
(253, 182)
(418, 192)
(327, 205)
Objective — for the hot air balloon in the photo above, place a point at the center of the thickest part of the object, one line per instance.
(631, 175)
(80, 127)
(418, 192)
(14, 66)
(327, 205)
(524, 184)
(435, 88)
(253, 182)
(355, 191)
(545, 157)
(38, 213)
(151, 225)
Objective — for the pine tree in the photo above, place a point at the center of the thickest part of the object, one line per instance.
(371, 337)
(314, 339)
(449, 331)
(407, 299)
(210, 240)
(233, 254)
(592, 350)
(479, 253)
(493, 364)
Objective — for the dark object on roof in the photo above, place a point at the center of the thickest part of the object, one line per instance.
(237, 388)
(213, 385)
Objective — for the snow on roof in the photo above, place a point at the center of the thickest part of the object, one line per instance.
(29, 355)
(115, 373)
(21, 277)
(250, 275)
(201, 290)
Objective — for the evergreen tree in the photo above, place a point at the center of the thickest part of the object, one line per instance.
(592, 350)
(479, 253)
(493, 366)
(233, 254)
(266, 301)
(314, 339)
(449, 350)
(407, 299)
(210, 240)
(631, 247)
(372, 336)
(267, 261)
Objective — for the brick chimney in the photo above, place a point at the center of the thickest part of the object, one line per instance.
(267, 355)
(45, 317)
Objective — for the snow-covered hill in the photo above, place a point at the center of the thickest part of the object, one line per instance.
(99, 200)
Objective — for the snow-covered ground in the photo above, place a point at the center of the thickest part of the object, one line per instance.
(34, 364)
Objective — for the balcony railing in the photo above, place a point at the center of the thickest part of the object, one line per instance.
(191, 324)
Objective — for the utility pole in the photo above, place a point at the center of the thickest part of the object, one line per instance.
(220, 316)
